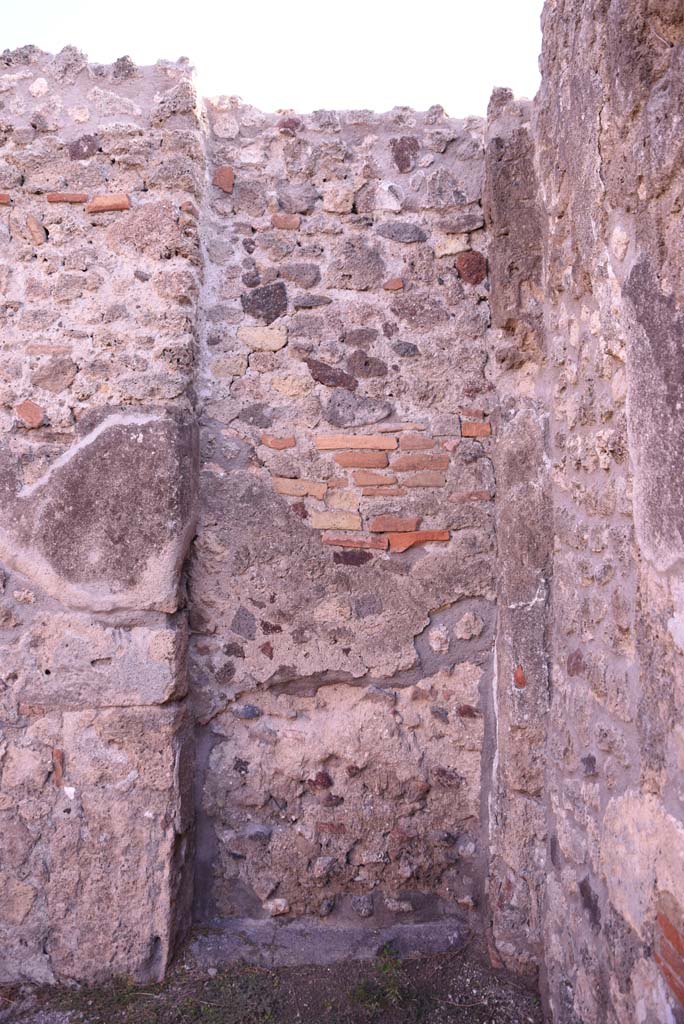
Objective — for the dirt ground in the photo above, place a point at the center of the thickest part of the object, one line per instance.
(448, 988)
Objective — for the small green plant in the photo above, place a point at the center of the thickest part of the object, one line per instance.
(389, 967)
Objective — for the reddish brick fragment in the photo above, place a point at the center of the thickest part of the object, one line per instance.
(109, 203)
(472, 267)
(416, 443)
(670, 932)
(4, 199)
(364, 478)
(67, 197)
(30, 414)
(278, 443)
(404, 541)
(475, 429)
(361, 460)
(425, 478)
(328, 442)
(383, 492)
(36, 231)
(409, 463)
(519, 680)
(342, 540)
(675, 984)
(395, 284)
(57, 766)
(394, 524)
(224, 178)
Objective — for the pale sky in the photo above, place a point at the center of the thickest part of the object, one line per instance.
(307, 55)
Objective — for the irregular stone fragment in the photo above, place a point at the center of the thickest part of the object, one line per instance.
(361, 336)
(335, 521)
(224, 178)
(266, 303)
(55, 374)
(358, 266)
(346, 409)
(36, 231)
(363, 365)
(401, 231)
(263, 339)
(311, 301)
(297, 198)
(405, 152)
(472, 267)
(420, 310)
(305, 275)
(330, 376)
(30, 414)
(85, 146)
(286, 221)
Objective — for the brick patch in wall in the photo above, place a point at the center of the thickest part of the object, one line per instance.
(67, 197)
(299, 488)
(5, 199)
(279, 444)
(109, 203)
(344, 541)
(331, 442)
(475, 429)
(404, 541)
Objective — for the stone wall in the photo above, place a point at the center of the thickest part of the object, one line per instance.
(342, 582)
(609, 162)
(99, 170)
(341, 521)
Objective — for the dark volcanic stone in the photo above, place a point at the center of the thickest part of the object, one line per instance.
(406, 349)
(402, 231)
(257, 415)
(363, 905)
(310, 301)
(305, 275)
(244, 623)
(404, 152)
(361, 336)
(352, 557)
(246, 711)
(330, 376)
(84, 147)
(363, 365)
(266, 303)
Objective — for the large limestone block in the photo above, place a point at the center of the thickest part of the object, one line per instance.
(108, 525)
(70, 662)
(96, 809)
